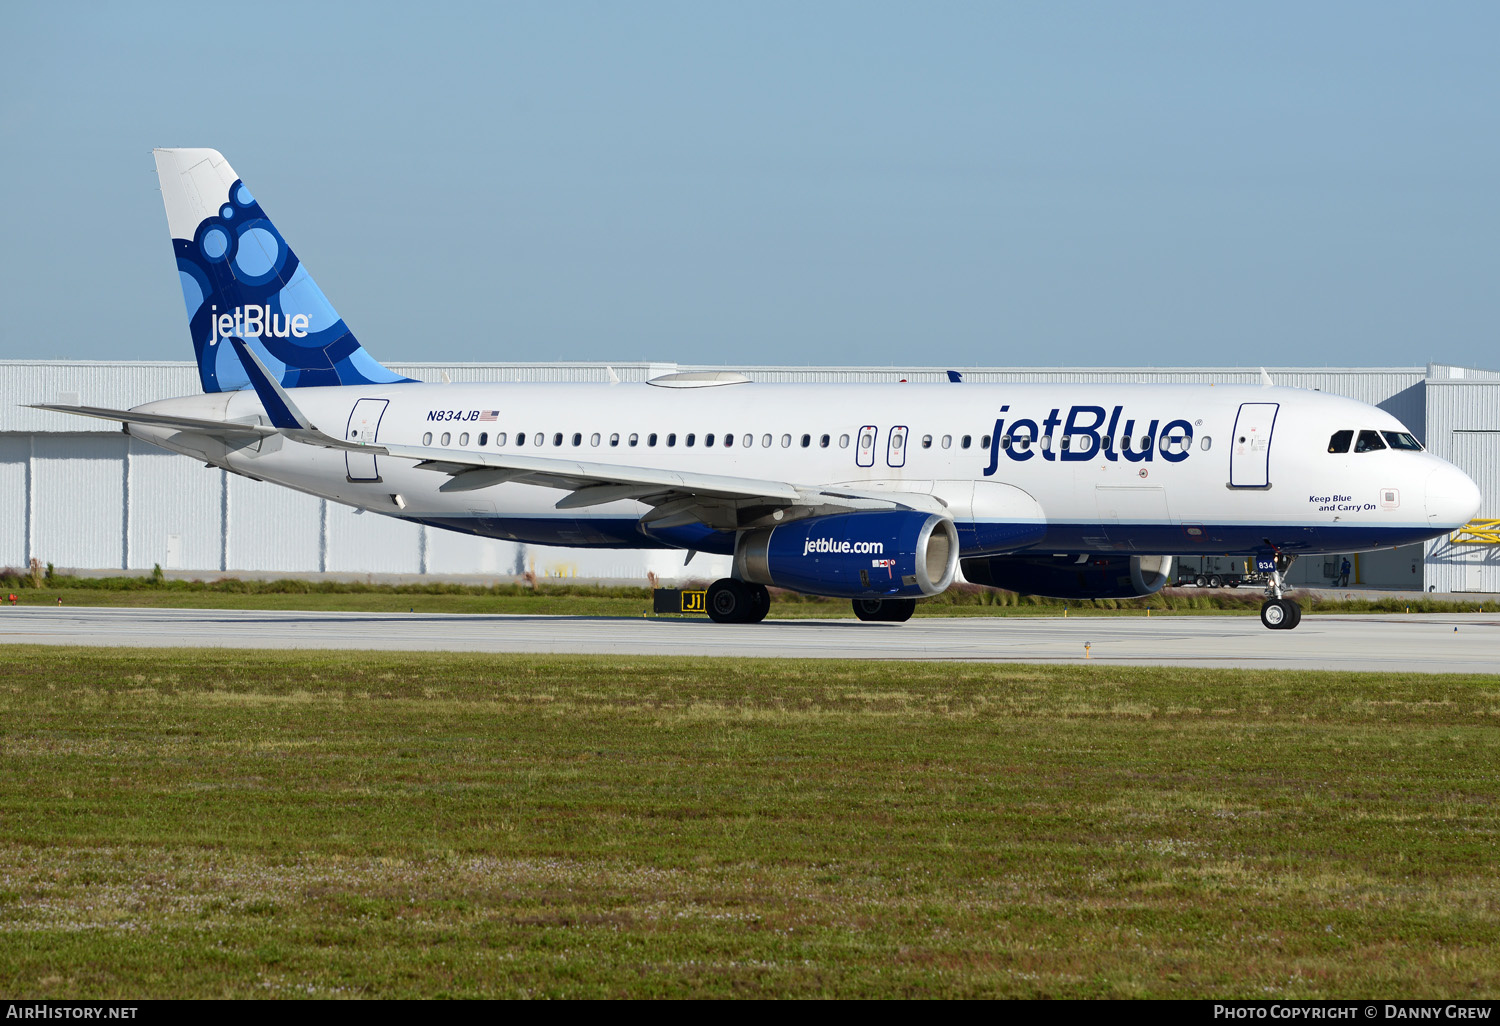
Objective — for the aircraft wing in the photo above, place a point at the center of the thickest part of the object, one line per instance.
(677, 497)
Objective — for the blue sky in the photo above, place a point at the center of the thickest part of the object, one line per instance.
(863, 183)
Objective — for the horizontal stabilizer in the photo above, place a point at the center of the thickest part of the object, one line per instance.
(208, 427)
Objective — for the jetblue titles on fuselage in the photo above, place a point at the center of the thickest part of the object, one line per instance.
(1091, 431)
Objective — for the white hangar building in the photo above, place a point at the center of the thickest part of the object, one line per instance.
(82, 495)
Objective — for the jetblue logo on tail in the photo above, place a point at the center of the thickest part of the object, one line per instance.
(1087, 433)
(255, 322)
(240, 279)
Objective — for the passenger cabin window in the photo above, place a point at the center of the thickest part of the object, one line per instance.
(577, 438)
(427, 438)
(927, 441)
(708, 440)
(984, 443)
(691, 438)
(538, 438)
(823, 442)
(484, 438)
(1369, 441)
(445, 439)
(634, 438)
(463, 439)
(1402, 440)
(594, 438)
(614, 439)
(651, 438)
(557, 438)
(786, 441)
(947, 441)
(843, 441)
(671, 439)
(1340, 441)
(520, 438)
(806, 441)
(1206, 444)
(728, 440)
(765, 441)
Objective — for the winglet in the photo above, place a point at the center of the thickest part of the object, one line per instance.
(279, 406)
(1265, 379)
(956, 377)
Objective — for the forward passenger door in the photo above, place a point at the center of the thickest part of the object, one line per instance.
(1250, 448)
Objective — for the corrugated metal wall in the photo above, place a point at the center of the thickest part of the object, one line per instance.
(82, 494)
(15, 499)
(1463, 425)
(123, 385)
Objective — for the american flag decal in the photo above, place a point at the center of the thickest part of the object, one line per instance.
(488, 414)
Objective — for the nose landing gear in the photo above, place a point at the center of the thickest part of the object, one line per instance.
(1278, 613)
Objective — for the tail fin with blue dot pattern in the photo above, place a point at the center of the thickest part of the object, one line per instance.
(241, 280)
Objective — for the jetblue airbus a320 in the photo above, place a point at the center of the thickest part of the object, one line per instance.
(876, 493)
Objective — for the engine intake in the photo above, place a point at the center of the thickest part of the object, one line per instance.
(853, 555)
(1072, 576)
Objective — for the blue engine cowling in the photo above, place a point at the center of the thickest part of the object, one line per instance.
(853, 555)
(1072, 576)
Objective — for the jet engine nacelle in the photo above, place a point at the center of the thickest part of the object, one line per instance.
(1072, 576)
(897, 553)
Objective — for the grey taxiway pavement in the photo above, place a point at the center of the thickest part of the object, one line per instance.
(1415, 643)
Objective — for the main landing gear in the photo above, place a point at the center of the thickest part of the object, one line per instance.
(1278, 613)
(885, 610)
(731, 601)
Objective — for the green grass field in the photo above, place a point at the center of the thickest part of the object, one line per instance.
(178, 823)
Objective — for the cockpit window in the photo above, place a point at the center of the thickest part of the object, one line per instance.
(1340, 441)
(1369, 441)
(1402, 440)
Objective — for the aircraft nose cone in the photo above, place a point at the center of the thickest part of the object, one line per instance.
(1452, 499)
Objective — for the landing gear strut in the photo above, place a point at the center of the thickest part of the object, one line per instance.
(885, 610)
(731, 601)
(1278, 613)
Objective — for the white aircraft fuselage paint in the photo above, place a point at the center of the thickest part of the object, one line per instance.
(1098, 499)
(870, 492)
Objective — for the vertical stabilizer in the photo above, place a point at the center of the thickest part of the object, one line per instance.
(240, 279)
